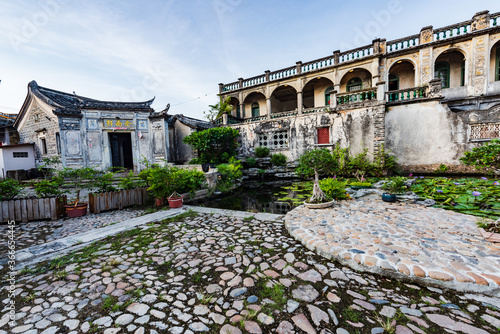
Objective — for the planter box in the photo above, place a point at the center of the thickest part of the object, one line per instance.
(25, 210)
(319, 205)
(117, 200)
(489, 236)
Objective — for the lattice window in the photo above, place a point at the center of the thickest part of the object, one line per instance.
(485, 131)
(324, 135)
(20, 154)
(274, 140)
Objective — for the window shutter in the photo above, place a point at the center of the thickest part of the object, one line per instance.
(323, 136)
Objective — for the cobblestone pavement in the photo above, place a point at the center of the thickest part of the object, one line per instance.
(40, 232)
(402, 240)
(222, 274)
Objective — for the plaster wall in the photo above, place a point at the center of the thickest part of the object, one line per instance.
(11, 163)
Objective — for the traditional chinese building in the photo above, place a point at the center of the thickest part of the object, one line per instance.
(88, 132)
(427, 97)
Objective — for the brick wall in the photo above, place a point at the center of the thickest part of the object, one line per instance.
(31, 132)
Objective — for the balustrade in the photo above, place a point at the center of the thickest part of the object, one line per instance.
(356, 54)
(406, 94)
(254, 81)
(255, 119)
(316, 109)
(230, 87)
(452, 31)
(358, 96)
(318, 64)
(495, 20)
(283, 73)
(402, 44)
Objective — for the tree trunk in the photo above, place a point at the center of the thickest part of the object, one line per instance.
(318, 195)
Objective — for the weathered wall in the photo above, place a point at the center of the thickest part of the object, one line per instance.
(11, 163)
(184, 153)
(425, 133)
(39, 123)
(353, 128)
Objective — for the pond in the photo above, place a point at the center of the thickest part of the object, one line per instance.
(278, 198)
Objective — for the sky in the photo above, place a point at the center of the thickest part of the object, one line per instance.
(178, 51)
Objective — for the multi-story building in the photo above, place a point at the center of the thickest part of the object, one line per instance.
(427, 97)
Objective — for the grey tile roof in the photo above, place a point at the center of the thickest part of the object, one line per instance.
(191, 122)
(72, 104)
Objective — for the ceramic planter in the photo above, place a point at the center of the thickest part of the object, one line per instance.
(76, 211)
(174, 202)
(389, 197)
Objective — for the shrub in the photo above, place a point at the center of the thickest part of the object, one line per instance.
(484, 158)
(215, 145)
(229, 173)
(131, 181)
(78, 178)
(163, 181)
(316, 162)
(261, 152)
(278, 159)
(48, 188)
(334, 188)
(396, 185)
(9, 188)
(251, 162)
(104, 182)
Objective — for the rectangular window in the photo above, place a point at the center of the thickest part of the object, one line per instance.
(44, 145)
(58, 143)
(462, 78)
(20, 154)
(485, 131)
(497, 73)
(324, 135)
(274, 140)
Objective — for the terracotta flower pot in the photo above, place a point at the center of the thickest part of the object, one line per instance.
(159, 201)
(175, 202)
(76, 211)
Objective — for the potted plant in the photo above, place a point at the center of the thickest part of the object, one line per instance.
(314, 163)
(78, 179)
(360, 181)
(175, 200)
(396, 185)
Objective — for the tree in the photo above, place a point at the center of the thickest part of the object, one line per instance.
(217, 110)
(215, 145)
(485, 158)
(316, 162)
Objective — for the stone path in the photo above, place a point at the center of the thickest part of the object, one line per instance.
(404, 241)
(40, 232)
(213, 273)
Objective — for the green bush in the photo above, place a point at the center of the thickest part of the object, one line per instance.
(334, 188)
(104, 182)
(79, 178)
(396, 185)
(9, 188)
(485, 158)
(164, 181)
(229, 173)
(251, 162)
(215, 145)
(131, 181)
(314, 163)
(278, 159)
(49, 188)
(261, 152)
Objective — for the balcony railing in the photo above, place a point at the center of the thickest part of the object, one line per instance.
(403, 95)
(318, 64)
(315, 110)
(255, 119)
(403, 43)
(285, 73)
(284, 114)
(364, 95)
(355, 54)
(453, 31)
(495, 20)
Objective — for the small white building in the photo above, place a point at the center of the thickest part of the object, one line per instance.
(16, 157)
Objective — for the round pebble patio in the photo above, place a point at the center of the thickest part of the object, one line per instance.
(404, 241)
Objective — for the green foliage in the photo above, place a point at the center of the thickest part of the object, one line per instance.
(456, 195)
(333, 188)
(48, 166)
(441, 169)
(215, 145)
(104, 182)
(9, 188)
(131, 181)
(217, 110)
(317, 160)
(48, 188)
(484, 158)
(79, 178)
(163, 181)
(396, 185)
(261, 152)
(251, 162)
(360, 184)
(229, 173)
(278, 159)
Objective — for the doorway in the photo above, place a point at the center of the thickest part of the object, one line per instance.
(120, 145)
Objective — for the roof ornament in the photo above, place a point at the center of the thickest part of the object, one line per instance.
(167, 108)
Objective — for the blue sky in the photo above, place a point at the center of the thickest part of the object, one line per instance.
(179, 50)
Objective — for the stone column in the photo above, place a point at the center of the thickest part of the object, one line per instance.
(426, 35)
(224, 119)
(480, 21)
(336, 56)
(268, 105)
(267, 75)
(242, 110)
(333, 99)
(221, 88)
(240, 82)
(298, 67)
(381, 91)
(300, 103)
